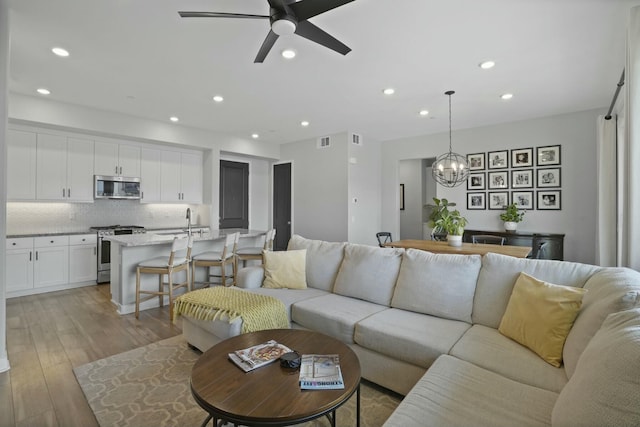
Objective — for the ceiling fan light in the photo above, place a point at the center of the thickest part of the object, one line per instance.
(283, 27)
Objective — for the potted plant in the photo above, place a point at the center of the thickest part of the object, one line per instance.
(453, 223)
(439, 209)
(511, 217)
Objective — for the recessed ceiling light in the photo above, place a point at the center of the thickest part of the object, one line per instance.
(60, 51)
(389, 91)
(218, 98)
(424, 113)
(487, 64)
(255, 136)
(304, 123)
(506, 96)
(289, 53)
(174, 119)
(43, 91)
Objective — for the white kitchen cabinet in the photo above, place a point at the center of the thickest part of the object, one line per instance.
(21, 165)
(51, 266)
(113, 159)
(150, 175)
(64, 168)
(83, 258)
(19, 264)
(181, 177)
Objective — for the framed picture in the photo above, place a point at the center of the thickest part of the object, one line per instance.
(476, 201)
(522, 178)
(476, 181)
(498, 159)
(548, 178)
(476, 161)
(522, 199)
(547, 156)
(401, 197)
(549, 200)
(498, 180)
(522, 157)
(498, 200)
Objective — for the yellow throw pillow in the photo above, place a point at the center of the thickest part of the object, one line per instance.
(285, 269)
(540, 315)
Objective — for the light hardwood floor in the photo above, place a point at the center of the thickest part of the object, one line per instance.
(50, 334)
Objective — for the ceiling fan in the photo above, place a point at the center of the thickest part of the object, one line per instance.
(288, 17)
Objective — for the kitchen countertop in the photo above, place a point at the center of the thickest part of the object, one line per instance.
(147, 239)
(75, 233)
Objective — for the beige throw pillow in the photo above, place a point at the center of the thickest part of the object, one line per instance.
(540, 315)
(285, 269)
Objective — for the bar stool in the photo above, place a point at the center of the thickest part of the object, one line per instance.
(178, 260)
(217, 259)
(255, 252)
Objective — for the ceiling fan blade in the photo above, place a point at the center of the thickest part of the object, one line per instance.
(277, 4)
(266, 46)
(309, 31)
(306, 9)
(220, 15)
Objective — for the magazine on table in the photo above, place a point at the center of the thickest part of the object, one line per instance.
(259, 355)
(321, 372)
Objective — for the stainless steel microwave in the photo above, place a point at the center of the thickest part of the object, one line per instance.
(116, 187)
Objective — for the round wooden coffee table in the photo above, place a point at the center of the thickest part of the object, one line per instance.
(270, 395)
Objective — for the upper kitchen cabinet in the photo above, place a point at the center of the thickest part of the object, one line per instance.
(150, 175)
(64, 168)
(21, 165)
(181, 177)
(113, 159)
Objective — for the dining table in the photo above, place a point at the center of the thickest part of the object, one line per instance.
(464, 249)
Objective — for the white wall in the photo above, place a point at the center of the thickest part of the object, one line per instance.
(364, 186)
(320, 188)
(575, 132)
(4, 73)
(410, 174)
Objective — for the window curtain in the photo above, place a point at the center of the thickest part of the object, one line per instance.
(618, 225)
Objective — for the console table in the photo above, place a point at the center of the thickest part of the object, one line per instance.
(553, 243)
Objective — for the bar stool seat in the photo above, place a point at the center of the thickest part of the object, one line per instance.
(177, 261)
(217, 259)
(255, 252)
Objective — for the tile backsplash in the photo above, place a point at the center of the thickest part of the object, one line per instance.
(34, 218)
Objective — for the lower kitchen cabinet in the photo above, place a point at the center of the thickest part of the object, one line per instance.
(51, 266)
(83, 258)
(19, 264)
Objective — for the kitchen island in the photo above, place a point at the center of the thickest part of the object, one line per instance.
(130, 249)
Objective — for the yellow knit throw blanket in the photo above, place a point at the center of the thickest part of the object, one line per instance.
(258, 312)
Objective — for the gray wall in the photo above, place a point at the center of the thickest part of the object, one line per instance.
(575, 132)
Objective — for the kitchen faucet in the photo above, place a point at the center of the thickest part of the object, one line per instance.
(189, 220)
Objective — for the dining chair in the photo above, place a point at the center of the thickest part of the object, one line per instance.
(255, 252)
(220, 259)
(178, 260)
(383, 237)
(488, 239)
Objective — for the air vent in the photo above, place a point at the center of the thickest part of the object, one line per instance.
(356, 138)
(324, 142)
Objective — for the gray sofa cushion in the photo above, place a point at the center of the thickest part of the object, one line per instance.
(499, 273)
(608, 291)
(368, 273)
(438, 284)
(334, 315)
(489, 349)
(323, 260)
(456, 393)
(605, 387)
(290, 296)
(407, 336)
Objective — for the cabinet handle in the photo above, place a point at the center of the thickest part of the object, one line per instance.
(52, 241)
(120, 170)
(94, 251)
(30, 255)
(116, 172)
(63, 193)
(36, 255)
(14, 243)
(142, 195)
(69, 192)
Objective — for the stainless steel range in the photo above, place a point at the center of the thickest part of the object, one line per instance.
(104, 246)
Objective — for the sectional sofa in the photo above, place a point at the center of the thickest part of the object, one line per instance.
(432, 327)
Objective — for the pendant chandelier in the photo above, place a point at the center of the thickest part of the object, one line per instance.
(450, 169)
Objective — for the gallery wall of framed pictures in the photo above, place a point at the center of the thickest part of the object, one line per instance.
(529, 177)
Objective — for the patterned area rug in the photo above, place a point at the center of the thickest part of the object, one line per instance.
(149, 386)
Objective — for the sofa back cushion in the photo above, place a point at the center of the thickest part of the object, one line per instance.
(368, 273)
(441, 285)
(605, 387)
(500, 272)
(323, 260)
(608, 291)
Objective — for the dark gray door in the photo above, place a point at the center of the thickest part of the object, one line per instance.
(282, 205)
(234, 194)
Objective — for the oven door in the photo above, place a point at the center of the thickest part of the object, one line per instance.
(104, 260)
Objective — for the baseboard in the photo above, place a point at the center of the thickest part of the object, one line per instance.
(4, 363)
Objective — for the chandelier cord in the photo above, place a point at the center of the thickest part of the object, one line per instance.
(450, 150)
